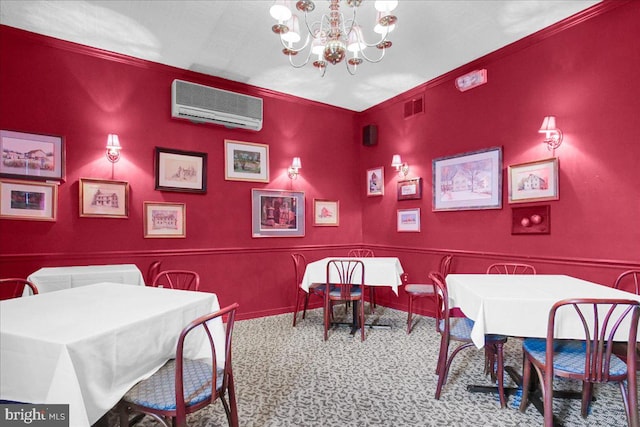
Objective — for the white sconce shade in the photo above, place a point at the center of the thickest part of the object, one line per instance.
(113, 148)
(402, 168)
(293, 170)
(553, 135)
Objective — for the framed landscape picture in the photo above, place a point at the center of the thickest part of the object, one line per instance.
(28, 200)
(408, 220)
(178, 170)
(103, 198)
(410, 189)
(375, 181)
(277, 213)
(468, 181)
(326, 213)
(164, 220)
(534, 181)
(31, 156)
(246, 161)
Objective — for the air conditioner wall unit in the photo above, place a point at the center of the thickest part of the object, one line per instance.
(204, 104)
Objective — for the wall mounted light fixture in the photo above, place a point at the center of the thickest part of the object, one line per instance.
(293, 170)
(553, 137)
(401, 168)
(113, 148)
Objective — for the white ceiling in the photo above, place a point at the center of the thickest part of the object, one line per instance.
(233, 39)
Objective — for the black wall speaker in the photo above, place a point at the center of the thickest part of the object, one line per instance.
(369, 135)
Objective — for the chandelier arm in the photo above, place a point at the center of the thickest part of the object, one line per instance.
(296, 50)
(306, 60)
(373, 61)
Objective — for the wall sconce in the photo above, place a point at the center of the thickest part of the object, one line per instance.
(113, 148)
(293, 170)
(553, 137)
(401, 168)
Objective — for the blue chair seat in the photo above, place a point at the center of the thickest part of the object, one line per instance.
(158, 391)
(460, 329)
(335, 291)
(569, 355)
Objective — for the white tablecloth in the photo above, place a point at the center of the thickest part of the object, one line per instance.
(87, 346)
(51, 279)
(378, 271)
(518, 305)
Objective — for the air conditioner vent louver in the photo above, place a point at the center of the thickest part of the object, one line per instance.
(200, 103)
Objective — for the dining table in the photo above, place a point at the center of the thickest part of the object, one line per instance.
(50, 279)
(378, 271)
(518, 305)
(87, 346)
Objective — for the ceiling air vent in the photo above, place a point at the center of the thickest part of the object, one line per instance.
(413, 107)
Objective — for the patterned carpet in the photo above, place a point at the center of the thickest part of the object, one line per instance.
(290, 377)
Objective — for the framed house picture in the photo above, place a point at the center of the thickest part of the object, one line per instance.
(246, 161)
(410, 189)
(468, 181)
(408, 220)
(534, 181)
(326, 213)
(164, 220)
(177, 170)
(31, 156)
(277, 213)
(28, 200)
(375, 181)
(103, 198)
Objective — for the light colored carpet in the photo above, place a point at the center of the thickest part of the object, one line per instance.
(289, 376)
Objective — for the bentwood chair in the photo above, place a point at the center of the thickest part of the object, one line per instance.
(345, 282)
(459, 329)
(300, 265)
(14, 288)
(366, 253)
(422, 290)
(510, 268)
(590, 360)
(177, 279)
(182, 386)
(152, 272)
(628, 281)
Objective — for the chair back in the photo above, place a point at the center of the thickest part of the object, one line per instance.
(629, 281)
(600, 319)
(299, 265)
(361, 253)
(177, 279)
(152, 272)
(201, 323)
(442, 302)
(345, 276)
(445, 265)
(14, 288)
(511, 268)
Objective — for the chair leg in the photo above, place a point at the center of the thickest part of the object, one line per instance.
(526, 381)
(362, 326)
(500, 373)
(233, 407)
(295, 310)
(442, 362)
(409, 314)
(587, 391)
(306, 303)
(327, 306)
(372, 299)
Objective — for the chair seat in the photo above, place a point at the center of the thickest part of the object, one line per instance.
(355, 292)
(158, 391)
(569, 355)
(422, 289)
(460, 329)
(317, 287)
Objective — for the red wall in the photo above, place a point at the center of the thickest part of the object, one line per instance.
(585, 75)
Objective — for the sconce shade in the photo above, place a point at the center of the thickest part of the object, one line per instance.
(296, 163)
(396, 161)
(548, 125)
(293, 170)
(113, 148)
(553, 135)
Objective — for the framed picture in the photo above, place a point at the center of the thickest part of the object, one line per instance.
(534, 181)
(31, 156)
(246, 161)
(277, 213)
(28, 200)
(409, 220)
(164, 220)
(375, 181)
(531, 220)
(468, 181)
(409, 189)
(104, 199)
(326, 212)
(181, 170)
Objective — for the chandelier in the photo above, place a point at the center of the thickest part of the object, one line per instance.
(333, 38)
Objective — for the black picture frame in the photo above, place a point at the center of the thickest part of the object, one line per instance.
(182, 171)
